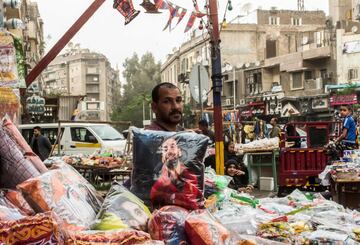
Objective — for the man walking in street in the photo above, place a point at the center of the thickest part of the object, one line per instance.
(167, 104)
(40, 144)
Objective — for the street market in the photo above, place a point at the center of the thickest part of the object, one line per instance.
(236, 151)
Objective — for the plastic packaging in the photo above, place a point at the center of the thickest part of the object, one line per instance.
(14, 167)
(23, 146)
(168, 168)
(60, 191)
(168, 225)
(240, 239)
(9, 214)
(122, 237)
(202, 229)
(39, 229)
(16, 199)
(277, 231)
(121, 209)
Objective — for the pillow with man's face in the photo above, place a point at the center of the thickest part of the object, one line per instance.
(168, 168)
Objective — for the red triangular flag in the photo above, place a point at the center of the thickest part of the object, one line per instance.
(161, 4)
(181, 15)
(173, 12)
(190, 22)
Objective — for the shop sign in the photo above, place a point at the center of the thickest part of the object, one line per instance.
(320, 103)
(289, 110)
(259, 103)
(35, 105)
(351, 47)
(349, 99)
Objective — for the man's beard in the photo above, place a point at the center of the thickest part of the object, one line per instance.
(167, 118)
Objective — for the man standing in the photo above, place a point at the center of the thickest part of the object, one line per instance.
(348, 134)
(167, 104)
(204, 129)
(40, 144)
(275, 131)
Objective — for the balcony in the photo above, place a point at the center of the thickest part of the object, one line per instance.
(317, 53)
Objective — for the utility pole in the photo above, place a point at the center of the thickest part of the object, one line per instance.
(217, 85)
(301, 5)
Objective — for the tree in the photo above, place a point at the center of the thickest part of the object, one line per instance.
(140, 75)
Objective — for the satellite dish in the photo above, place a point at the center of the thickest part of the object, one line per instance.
(354, 29)
(257, 63)
(199, 77)
(247, 65)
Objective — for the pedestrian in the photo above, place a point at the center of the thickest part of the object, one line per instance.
(40, 144)
(348, 133)
(167, 104)
(240, 176)
(275, 131)
(204, 129)
(293, 137)
(230, 153)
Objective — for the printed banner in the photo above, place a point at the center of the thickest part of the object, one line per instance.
(8, 66)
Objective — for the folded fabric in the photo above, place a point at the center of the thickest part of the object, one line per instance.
(12, 131)
(168, 224)
(16, 198)
(39, 229)
(14, 167)
(62, 192)
(9, 214)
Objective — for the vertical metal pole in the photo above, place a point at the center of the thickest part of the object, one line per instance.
(200, 93)
(234, 87)
(217, 85)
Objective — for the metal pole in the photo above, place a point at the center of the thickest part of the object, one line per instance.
(234, 87)
(217, 85)
(200, 93)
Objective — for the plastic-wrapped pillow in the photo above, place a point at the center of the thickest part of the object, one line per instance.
(121, 209)
(168, 168)
(168, 224)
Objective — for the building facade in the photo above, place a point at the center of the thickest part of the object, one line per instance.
(259, 59)
(81, 72)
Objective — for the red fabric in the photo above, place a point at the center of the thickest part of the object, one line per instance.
(164, 191)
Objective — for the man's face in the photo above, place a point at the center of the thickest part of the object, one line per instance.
(202, 128)
(170, 150)
(231, 148)
(36, 132)
(344, 111)
(169, 108)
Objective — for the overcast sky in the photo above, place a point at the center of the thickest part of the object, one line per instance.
(105, 31)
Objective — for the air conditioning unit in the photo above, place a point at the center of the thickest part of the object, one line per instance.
(318, 83)
(228, 102)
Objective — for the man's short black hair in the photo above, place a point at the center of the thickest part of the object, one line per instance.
(155, 92)
(37, 128)
(203, 123)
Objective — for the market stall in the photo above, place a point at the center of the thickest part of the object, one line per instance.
(172, 200)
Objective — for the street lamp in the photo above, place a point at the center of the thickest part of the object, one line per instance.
(229, 67)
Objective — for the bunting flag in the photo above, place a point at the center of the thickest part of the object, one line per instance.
(161, 4)
(181, 15)
(173, 13)
(126, 8)
(149, 7)
(198, 13)
(191, 21)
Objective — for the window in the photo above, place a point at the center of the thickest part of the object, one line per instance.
(254, 82)
(82, 135)
(297, 82)
(352, 74)
(309, 75)
(296, 21)
(274, 20)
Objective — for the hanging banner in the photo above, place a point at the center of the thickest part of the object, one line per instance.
(173, 12)
(126, 8)
(149, 7)
(181, 15)
(190, 22)
(8, 66)
(161, 4)
(349, 99)
(9, 104)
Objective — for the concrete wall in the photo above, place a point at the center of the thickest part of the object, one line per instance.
(339, 9)
(346, 61)
(307, 17)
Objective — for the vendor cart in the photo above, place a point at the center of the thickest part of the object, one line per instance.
(346, 192)
(299, 167)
